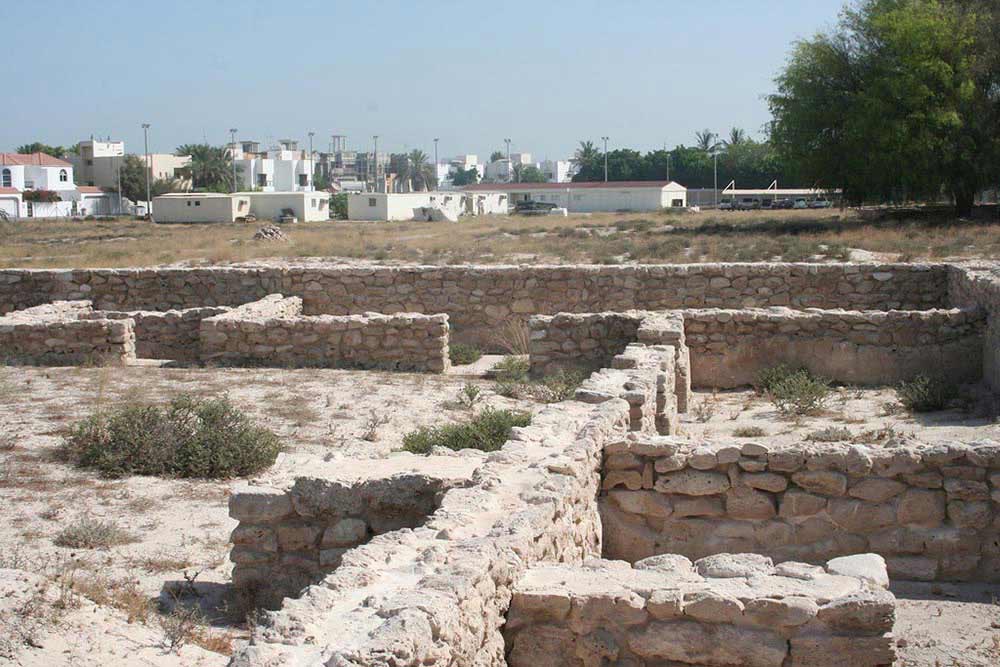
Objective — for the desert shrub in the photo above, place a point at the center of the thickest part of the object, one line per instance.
(338, 206)
(189, 437)
(559, 386)
(511, 369)
(831, 434)
(749, 432)
(88, 533)
(462, 354)
(926, 394)
(487, 432)
(765, 379)
(798, 393)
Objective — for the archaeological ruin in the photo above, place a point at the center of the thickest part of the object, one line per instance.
(597, 535)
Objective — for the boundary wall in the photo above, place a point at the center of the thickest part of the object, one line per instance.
(55, 334)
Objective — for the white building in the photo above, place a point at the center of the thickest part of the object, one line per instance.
(180, 207)
(41, 186)
(557, 171)
(592, 197)
(283, 168)
(501, 170)
(97, 163)
(397, 206)
(304, 206)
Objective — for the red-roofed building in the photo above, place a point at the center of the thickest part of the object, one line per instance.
(41, 186)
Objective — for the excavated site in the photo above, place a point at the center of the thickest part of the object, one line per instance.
(664, 515)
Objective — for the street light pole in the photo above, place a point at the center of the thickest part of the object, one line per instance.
(605, 159)
(510, 167)
(118, 161)
(232, 153)
(145, 141)
(312, 165)
(715, 159)
(436, 162)
(375, 157)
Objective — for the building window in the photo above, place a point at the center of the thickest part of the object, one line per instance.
(5, 179)
(303, 179)
(261, 180)
(90, 163)
(63, 176)
(188, 203)
(371, 201)
(197, 203)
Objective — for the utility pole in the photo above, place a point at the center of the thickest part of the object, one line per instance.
(375, 156)
(510, 167)
(668, 165)
(232, 153)
(149, 166)
(605, 159)
(436, 162)
(118, 161)
(715, 158)
(312, 165)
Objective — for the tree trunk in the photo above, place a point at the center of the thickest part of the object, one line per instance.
(965, 198)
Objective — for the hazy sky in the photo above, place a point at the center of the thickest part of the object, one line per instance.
(546, 73)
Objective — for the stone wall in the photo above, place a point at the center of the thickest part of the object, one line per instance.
(720, 611)
(270, 332)
(979, 286)
(729, 347)
(171, 334)
(289, 538)
(54, 334)
(931, 511)
(481, 299)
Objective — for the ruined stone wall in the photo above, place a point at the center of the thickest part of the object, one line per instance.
(270, 332)
(729, 347)
(931, 511)
(717, 612)
(289, 538)
(171, 334)
(53, 334)
(481, 299)
(979, 286)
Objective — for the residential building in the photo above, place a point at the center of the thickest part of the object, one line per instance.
(439, 205)
(558, 171)
(97, 163)
(282, 168)
(592, 197)
(181, 207)
(303, 206)
(500, 170)
(447, 167)
(41, 186)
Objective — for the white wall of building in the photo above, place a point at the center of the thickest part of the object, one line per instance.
(557, 171)
(603, 199)
(399, 205)
(204, 207)
(305, 206)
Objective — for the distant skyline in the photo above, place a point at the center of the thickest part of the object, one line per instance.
(546, 74)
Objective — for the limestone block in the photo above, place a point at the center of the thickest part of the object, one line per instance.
(921, 507)
(876, 489)
(744, 503)
(693, 483)
(825, 482)
(765, 481)
(868, 567)
(258, 504)
(691, 642)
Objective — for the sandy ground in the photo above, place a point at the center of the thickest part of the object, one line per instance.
(864, 416)
(330, 418)
(947, 625)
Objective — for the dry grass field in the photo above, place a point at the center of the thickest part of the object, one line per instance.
(599, 238)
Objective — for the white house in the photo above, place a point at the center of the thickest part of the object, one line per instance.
(178, 207)
(41, 186)
(97, 163)
(401, 205)
(501, 170)
(557, 171)
(592, 197)
(283, 168)
(305, 206)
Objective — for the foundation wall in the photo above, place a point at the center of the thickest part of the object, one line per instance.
(979, 287)
(729, 347)
(480, 300)
(718, 612)
(53, 334)
(171, 334)
(270, 332)
(931, 511)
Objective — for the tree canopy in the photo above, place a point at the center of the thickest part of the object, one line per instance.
(39, 147)
(468, 176)
(211, 168)
(133, 179)
(898, 102)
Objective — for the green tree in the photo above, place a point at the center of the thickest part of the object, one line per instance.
(586, 156)
(418, 171)
(894, 104)
(528, 173)
(496, 156)
(706, 140)
(468, 176)
(133, 179)
(211, 168)
(737, 136)
(38, 147)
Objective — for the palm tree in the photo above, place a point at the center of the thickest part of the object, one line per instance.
(496, 156)
(586, 155)
(417, 171)
(737, 136)
(211, 167)
(706, 140)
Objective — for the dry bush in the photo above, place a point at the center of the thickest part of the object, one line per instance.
(88, 533)
(513, 337)
(373, 424)
(831, 434)
(749, 432)
(124, 595)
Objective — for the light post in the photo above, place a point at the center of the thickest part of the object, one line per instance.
(715, 169)
(118, 161)
(436, 162)
(668, 165)
(605, 159)
(232, 153)
(510, 170)
(312, 165)
(145, 141)
(375, 157)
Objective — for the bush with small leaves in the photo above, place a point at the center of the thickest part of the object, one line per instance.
(189, 437)
(926, 394)
(831, 434)
(462, 354)
(749, 432)
(88, 533)
(798, 393)
(487, 432)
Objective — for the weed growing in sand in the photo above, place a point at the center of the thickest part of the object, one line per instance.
(372, 426)
(87, 533)
(469, 396)
(831, 434)
(487, 432)
(189, 437)
(794, 391)
(749, 432)
(926, 394)
(462, 354)
(513, 382)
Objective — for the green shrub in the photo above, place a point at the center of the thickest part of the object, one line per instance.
(767, 378)
(831, 434)
(798, 393)
(89, 533)
(559, 386)
(749, 432)
(511, 369)
(189, 437)
(462, 354)
(486, 432)
(926, 394)
(338, 206)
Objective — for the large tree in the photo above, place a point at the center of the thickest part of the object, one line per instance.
(528, 173)
(468, 176)
(39, 147)
(133, 179)
(586, 156)
(211, 167)
(416, 170)
(894, 104)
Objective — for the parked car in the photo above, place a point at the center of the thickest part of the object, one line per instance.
(800, 203)
(821, 203)
(530, 207)
(726, 206)
(783, 203)
(748, 204)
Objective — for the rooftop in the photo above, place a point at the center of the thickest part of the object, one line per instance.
(32, 159)
(589, 185)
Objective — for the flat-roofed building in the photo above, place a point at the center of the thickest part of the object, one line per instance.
(594, 197)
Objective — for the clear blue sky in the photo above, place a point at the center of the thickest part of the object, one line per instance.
(547, 73)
